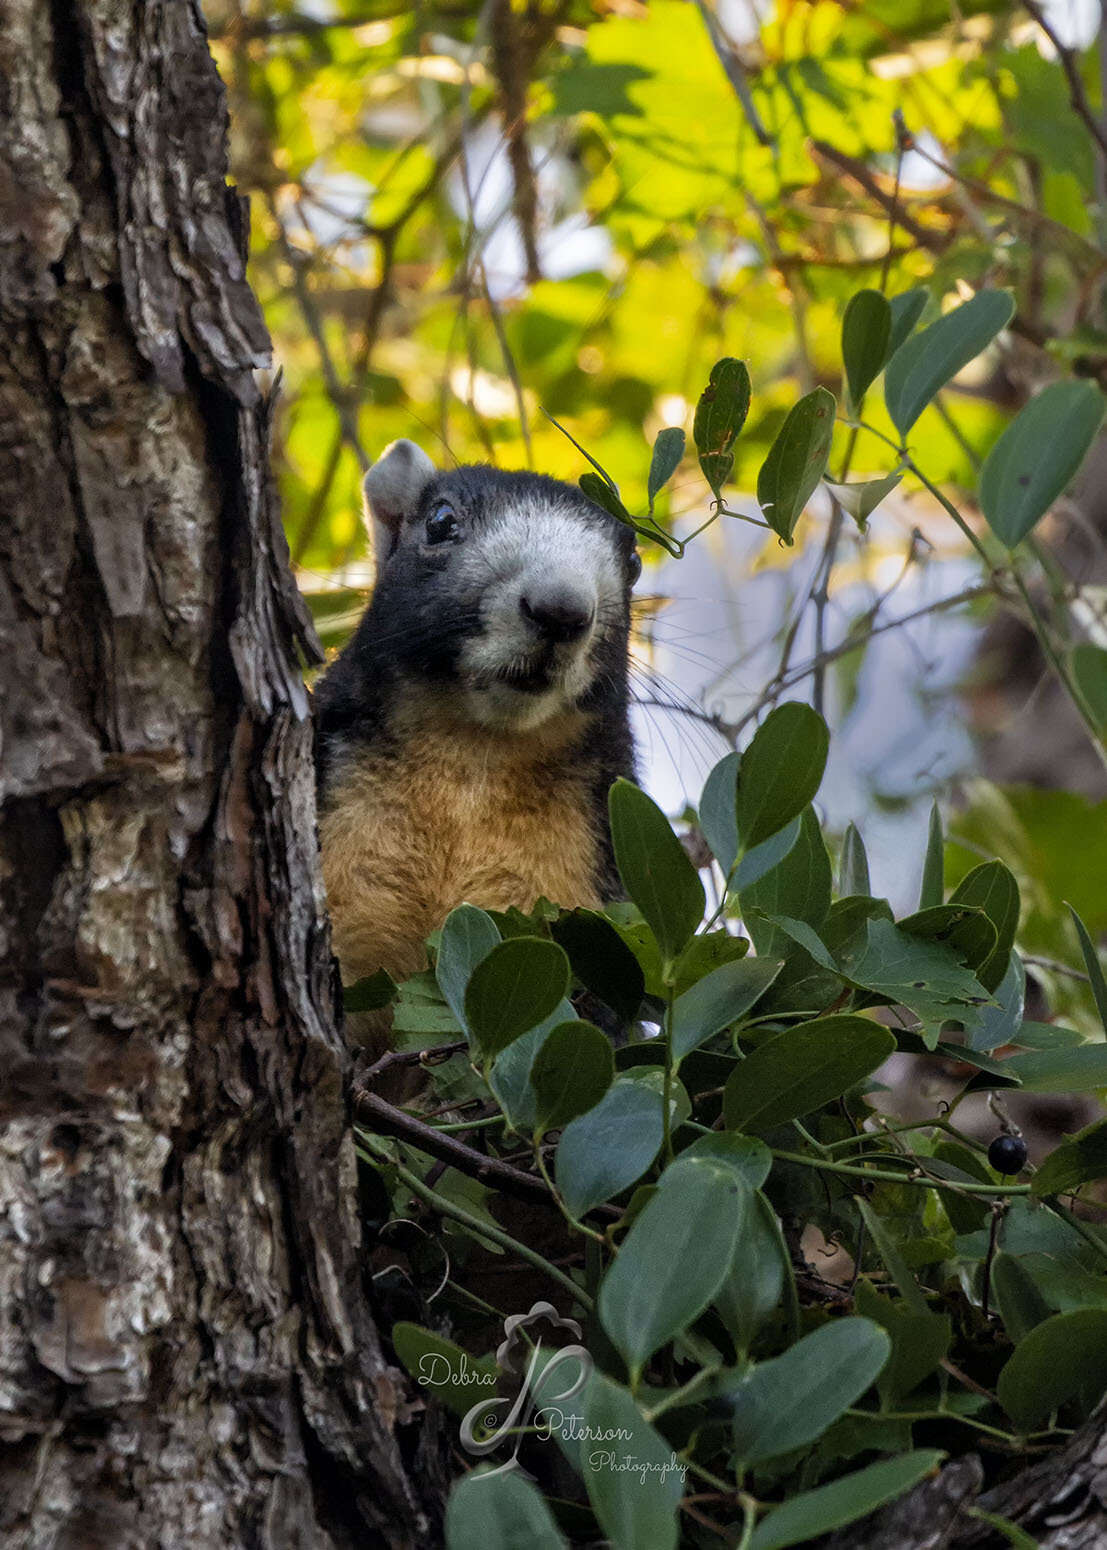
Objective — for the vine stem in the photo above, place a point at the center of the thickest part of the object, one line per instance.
(891, 1177)
(482, 1229)
(578, 1226)
(667, 1093)
(1055, 661)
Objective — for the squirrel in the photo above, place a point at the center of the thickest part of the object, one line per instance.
(468, 734)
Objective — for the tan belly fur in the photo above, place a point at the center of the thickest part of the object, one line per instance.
(461, 815)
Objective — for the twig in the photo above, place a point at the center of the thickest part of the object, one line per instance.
(731, 730)
(857, 171)
(1066, 58)
(507, 62)
(339, 396)
(389, 1121)
(736, 72)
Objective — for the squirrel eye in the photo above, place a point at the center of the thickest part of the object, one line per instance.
(635, 566)
(441, 524)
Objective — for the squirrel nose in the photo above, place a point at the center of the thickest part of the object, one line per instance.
(558, 611)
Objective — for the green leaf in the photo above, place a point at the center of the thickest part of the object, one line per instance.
(812, 1513)
(803, 1068)
(718, 818)
(853, 865)
(571, 1073)
(718, 811)
(1077, 1161)
(601, 960)
(635, 1507)
(753, 1285)
(706, 953)
(993, 889)
(1079, 1069)
(1062, 1359)
(920, 1339)
(720, 415)
(467, 937)
(789, 1401)
(605, 495)
(761, 859)
(655, 870)
(910, 971)
(932, 891)
(886, 1246)
(999, 1024)
(370, 994)
(499, 1511)
(749, 1157)
(1088, 665)
(510, 1075)
(513, 989)
(861, 498)
(780, 771)
(798, 887)
(608, 1149)
(866, 334)
(668, 450)
(443, 1369)
(719, 999)
(1036, 458)
(1021, 1305)
(796, 462)
(907, 308)
(1093, 966)
(923, 365)
(647, 1297)
(962, 927)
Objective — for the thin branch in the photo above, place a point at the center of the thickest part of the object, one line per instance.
(736, 72)
(338, 395)
(507, 62)
(1067, 59)
(858, 173)
(387, 1120)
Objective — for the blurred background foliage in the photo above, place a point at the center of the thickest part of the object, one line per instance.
(464, 214)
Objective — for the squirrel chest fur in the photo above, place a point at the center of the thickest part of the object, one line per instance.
(470, 731)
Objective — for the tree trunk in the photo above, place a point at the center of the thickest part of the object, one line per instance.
(187, 1353)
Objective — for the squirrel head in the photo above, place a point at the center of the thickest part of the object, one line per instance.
(512, 588)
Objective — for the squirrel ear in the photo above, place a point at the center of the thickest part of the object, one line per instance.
(392, 488)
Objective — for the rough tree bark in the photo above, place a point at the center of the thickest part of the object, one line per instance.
(187, 1354)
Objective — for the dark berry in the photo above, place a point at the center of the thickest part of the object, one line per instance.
(1007, 1154)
